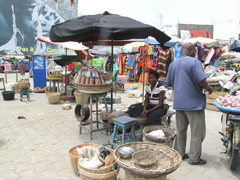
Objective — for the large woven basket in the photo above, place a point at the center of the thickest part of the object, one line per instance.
(168, 161)
(132, 176)
(53, 98)
(93, 88)
(76, 166)
(169, 133)
(112, 175)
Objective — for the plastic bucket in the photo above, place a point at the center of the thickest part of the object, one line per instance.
(8, 95)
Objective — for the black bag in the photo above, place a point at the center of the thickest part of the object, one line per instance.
(135, 110)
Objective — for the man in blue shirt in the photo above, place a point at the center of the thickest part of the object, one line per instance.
(188, 80)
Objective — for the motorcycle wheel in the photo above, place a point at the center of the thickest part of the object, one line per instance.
(233, 159)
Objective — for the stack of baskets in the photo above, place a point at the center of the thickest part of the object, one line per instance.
(53, 97)
(169, 133)
(105, 173)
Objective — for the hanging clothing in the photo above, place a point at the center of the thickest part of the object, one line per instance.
(150, 50)
(163, 55)
(22, 69)
(177, 51)
(200, 48)
(209, 56)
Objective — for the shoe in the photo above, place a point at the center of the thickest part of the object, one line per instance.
(185, 156)
(199, 162)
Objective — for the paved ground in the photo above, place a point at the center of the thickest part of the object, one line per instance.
(37, 147)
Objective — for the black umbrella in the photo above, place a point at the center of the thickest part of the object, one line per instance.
(235, 46)
(104, 26)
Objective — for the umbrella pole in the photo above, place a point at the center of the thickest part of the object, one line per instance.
(143, 72)
(112, 84)
(65, 93)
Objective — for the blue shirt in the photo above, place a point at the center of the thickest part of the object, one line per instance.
(184, 75)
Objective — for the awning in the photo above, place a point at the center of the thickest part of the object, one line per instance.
(81, 50)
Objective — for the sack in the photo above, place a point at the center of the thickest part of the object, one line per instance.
(135, 110)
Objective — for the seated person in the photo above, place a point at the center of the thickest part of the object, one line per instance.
(154, 99)
(153, 107)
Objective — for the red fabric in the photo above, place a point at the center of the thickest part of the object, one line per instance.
(71, 67)
(22, 68)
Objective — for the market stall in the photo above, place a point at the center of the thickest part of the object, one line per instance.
(90, 83)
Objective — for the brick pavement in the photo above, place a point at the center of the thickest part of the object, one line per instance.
(36, 148)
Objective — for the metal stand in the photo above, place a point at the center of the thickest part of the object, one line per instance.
(83, 124)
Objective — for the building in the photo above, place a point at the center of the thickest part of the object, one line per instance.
(192, 30)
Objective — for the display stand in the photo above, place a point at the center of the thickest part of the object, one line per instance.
(95, 96)
(12, 72)
(54, 82)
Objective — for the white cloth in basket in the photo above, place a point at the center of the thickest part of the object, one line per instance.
(157, 134)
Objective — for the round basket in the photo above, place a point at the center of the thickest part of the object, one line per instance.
(85, 175)
(93, 88)
(169, 133)
(145, 158)
(53, 98)
(168, 160)
(75, 165)
(73, 154)
(80, 99)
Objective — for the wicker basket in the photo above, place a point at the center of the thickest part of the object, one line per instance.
(24, 84)
(169, 133)
(93, 88)
(75, 165)
(53, 98)
(107, 76)
(132, 176)
(168, 161)
(112, 175)
(80, 99)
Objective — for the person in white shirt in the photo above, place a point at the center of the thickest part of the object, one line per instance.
(154, 99)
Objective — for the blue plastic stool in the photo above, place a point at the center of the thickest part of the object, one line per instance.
(24, 91)
(124, 122)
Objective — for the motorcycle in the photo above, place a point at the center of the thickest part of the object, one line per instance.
(231, 136)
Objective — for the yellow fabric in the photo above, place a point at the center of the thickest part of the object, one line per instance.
(150, 50)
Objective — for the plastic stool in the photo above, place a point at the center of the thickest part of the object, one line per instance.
(124, 122)
(24, 91)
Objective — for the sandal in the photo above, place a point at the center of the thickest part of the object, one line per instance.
(185, 156)
(199, 162)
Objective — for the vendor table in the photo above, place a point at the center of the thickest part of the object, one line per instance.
(53, 82)
(95, 96)
(12, 72)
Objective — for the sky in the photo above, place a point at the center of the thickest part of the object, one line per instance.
(220, 13)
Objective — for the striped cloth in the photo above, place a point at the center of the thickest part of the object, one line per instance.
(154, 94)
(162, 60)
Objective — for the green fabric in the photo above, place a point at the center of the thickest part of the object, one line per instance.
(98, 63)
